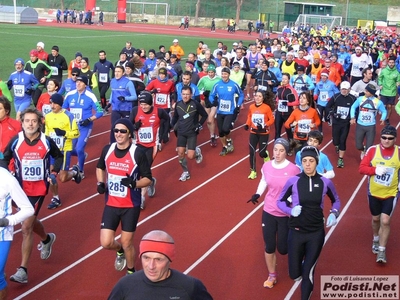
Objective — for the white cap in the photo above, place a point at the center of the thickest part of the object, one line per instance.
(40, 44)
(345, 85)
(235, 44)
(324, 74)
(175, 41)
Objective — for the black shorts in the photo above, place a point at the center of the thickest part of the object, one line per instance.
(128, 217)
(187, 139)
(36, 202)
(379, 206)
(388, 100)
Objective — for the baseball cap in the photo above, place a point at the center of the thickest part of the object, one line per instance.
(175, 41)
(345, 85)
(301, 68)
(235, 44)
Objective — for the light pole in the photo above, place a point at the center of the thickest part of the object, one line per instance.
(347, 11)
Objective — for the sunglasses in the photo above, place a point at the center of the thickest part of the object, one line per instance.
(124, 131)
(74, 74)
(390, 138)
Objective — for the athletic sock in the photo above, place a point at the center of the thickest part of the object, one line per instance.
(183, 163)
(130, 270)
(46, 240)
(25, 269)
(382, 248)
(272, 275)
(376, 238)
(120, 251)
(56, 196)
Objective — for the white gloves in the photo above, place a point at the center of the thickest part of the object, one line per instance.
(295, 212)
(380, 170)
(331, 221)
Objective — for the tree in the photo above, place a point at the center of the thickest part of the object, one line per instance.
(196, 16)
(239, 4)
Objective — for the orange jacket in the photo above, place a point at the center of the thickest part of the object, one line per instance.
(261, 114)
(304, 119)
(177, 50)
(334, 75)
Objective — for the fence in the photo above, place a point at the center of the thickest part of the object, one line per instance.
(225, 9)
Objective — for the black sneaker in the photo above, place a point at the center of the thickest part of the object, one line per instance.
(78, 176)
(223, 152)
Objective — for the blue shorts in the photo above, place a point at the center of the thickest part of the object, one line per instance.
(4, 249)
(66, 161)
(22, 106)
(388, 100)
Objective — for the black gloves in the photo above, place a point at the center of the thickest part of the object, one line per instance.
(198, 128)
(128, 182)
(4, 222)
(121, 98)
(137, 125)
(206, 94)
(246, 127)
(9, 84)
(237, 110)
(260, 128)
(60, 132)
(85, 122)
(154, 91)
(361, 69)
(101, 187)
(29, 92)
(254, 199)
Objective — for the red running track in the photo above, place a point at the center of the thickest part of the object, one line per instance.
(218, 235)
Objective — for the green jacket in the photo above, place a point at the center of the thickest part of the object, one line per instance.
(388, 78)
(5, 91)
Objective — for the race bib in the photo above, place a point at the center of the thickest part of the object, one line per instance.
(54, 70)
(343, 112)
(303, 126)
(46, 108)
(367, 117)
(324, 96)
(103, 77)
(314, 78)
(145, 134)
(115, 188)
(262, 88)
(282, 106)
(355, 67)
(32, 170)
(385, 179)
(77, 113)
(161, 99)
(59, 140)
(19, 90)
(258, 119)
(225, 105)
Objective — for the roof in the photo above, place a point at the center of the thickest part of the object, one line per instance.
(10, 9)
(308, 3)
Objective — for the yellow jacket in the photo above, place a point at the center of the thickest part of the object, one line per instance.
(63, 120)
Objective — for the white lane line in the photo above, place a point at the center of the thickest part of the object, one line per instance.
(330, 232)
(61, 272)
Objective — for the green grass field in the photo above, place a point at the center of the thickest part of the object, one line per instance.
(18, 40)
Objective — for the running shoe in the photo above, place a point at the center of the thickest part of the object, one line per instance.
(82, 175)
(229, 147)
(223, 152)
(77, 177)
(185, 176)
(159, 147)
(340, 163)
(55, 203)
(381, 257)
(20, 276)
(151, 190)
(142, 202)
(270, 282)
(213, 142)
(267, 158)
(45, 249)
(199, 156)
(375, 247)
(120, 261)
(253, 175)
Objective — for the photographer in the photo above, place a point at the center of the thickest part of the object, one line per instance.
(339, 116)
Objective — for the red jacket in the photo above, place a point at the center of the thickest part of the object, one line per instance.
(8, 129)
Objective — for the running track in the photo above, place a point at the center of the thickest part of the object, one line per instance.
(217, 234)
